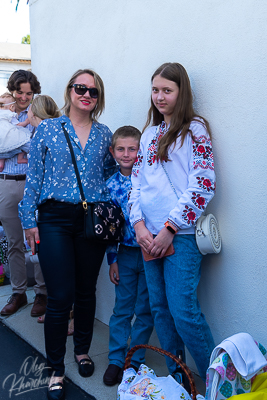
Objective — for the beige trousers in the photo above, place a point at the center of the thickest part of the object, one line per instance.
(11, 193)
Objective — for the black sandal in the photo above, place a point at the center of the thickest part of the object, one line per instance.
(56, 391)
(86, 366)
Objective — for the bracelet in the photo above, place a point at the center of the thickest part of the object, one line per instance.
(170, 228)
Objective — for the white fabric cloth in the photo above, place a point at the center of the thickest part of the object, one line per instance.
(11, 136)
(244, 353)
(10, 116)
(144, 384)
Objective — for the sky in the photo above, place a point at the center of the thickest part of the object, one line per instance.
(14, 24)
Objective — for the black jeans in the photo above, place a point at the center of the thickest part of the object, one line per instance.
(70, 265)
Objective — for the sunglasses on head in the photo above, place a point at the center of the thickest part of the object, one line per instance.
(81, 90)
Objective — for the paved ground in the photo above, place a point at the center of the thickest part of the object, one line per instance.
(23, 374)
(27, 328)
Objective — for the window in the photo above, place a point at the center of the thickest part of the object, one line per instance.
(4, 76)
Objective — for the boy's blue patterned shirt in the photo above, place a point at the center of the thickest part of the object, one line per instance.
(119, 187)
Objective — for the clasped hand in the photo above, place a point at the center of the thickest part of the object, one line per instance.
(157, 246)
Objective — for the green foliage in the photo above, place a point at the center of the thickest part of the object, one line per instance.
(26, 39)
(18, 4)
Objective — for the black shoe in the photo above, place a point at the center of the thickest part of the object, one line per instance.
(122, 370)
(110, 377)
(86, 366)
(56, 391)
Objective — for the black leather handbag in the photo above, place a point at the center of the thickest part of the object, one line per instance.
(103, 220)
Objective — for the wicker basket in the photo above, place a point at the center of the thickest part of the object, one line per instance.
(179, 362)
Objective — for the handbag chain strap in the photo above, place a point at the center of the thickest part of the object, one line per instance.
(169, 179)
(84, 203)
(163, 166)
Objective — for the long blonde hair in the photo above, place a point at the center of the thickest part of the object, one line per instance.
(44, 107)
(183, 113)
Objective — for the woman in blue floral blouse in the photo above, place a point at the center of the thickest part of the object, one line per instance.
(70, 263)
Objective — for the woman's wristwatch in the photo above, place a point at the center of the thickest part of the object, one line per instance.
(171, 228)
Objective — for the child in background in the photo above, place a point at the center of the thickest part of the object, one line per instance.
(42, 107)
(173, 181)
(14, 139)
(126, 267)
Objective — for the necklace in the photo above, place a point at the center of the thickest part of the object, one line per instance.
(81, 126)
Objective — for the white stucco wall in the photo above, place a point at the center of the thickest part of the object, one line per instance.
(6, 69)
(222, 44)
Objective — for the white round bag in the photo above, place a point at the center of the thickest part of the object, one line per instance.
(208, 236)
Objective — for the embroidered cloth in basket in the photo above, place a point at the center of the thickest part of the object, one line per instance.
(145, 385)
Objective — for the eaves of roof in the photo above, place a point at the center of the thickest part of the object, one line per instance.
(15, 60)
(15, 52)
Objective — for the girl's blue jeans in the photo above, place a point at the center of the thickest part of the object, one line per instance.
(70, 265)
(131, 299)
(172, 284)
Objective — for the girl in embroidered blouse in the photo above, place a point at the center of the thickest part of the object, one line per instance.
(172, 182)
(70, 263)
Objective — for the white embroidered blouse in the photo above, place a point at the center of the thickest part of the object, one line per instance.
(191, 171)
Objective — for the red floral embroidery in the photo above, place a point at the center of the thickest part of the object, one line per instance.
(152, 151)
(189, 215)
(202, 151)
(129, 194)
(137, 164)
(153, 147)
(198, 200)
(206, 184)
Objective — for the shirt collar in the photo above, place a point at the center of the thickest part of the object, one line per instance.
(71, 131)
(123, 178)
(24, 111)
(163, 128)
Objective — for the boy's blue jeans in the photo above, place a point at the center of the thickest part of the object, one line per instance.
(172, 284)
(131, 298)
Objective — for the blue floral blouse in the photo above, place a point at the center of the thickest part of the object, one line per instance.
(51, 173)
